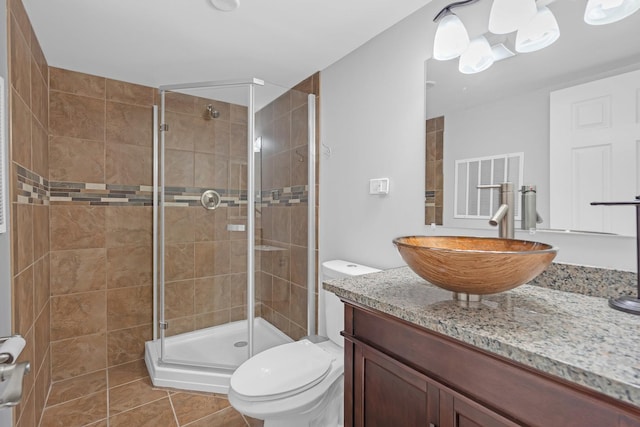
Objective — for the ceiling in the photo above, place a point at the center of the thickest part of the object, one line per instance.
(161, 42)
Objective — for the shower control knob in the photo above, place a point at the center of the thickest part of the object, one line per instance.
(210, 199)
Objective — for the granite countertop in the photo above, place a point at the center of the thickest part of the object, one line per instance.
(572, 336)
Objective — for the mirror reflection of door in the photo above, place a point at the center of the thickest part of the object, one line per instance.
(433, 171)
(595, 145)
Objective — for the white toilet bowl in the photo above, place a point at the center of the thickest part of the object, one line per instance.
(300, 384)
(292, 385)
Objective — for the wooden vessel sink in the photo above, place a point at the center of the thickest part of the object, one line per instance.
(475, 265)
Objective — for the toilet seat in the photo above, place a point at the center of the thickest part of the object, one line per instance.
(282, 371)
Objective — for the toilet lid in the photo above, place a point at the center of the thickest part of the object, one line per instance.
(281, 371)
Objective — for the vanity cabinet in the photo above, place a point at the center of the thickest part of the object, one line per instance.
(400, 375)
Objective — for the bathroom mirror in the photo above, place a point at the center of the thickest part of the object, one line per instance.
(506, 109)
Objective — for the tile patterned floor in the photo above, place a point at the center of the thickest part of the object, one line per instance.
(123, 396)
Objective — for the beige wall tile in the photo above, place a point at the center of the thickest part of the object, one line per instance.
(213, 137)
(78, 356)
(282, 224)
(212, 294)
(179, 299)
(41, 283)
(282, 170)
(281, 296)
(129, 307)
(238, 143)
(299, 224)
(282, 134)
(211, 171)
(78, 314)
(23, 228)
(38, 57)
(180, 103)
(298, 305)
(78, 160)
(128, 225)
(130, 93)
(180, 224)
(27, 355)
(76, 116)
(238, 113)
(129, 124)
(20, 55)
(40, 230)
(129, 266)
(211, 225)
(63, 391)
(238, 256)
(127, 164)
(299, 265)
(127, 345)
(20, 131)
(79, 412)
(27, 411)
(77, 227)
(78, 270)
(76, 83)
(41, 388)
(179, 261)
(179, 166)
(299, 165)
(39, 95)
(41, 339)
(300, 126)
(40, 149)
(183, 129)
(214, 318)
(19, 14)
(23, 295)
(180, 326)
(212, 258)
(158, 413)
(238, 287)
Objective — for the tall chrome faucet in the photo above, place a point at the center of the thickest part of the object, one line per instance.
(504, 216)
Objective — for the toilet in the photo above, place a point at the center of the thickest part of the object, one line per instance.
(301, 383)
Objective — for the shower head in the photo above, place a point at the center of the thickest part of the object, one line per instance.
(211, 113)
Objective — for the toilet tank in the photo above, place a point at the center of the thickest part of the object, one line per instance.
(333, 307)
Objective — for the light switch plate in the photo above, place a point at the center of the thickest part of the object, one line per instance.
(379, 186)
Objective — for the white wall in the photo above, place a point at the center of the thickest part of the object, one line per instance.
(372, 118)
(515, 124)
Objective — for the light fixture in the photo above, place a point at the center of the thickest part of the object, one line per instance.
(451, 38)
(538, 33)
(225, 5)
(478, 56)
(600, 12)
(508, 16)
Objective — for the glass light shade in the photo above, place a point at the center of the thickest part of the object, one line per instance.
(539, 33)
(225, 5)
(600, 12)
(478, 56)
(508, 16)
(451, 38)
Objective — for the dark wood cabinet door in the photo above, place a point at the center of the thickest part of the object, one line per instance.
(458, 411)
(389, 394)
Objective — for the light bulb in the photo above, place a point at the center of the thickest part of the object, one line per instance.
(600, 12)
(451, 38)
(539, 33)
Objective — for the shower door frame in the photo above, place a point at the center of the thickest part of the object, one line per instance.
(160, 127)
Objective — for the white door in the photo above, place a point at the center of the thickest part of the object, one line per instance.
(595, 140)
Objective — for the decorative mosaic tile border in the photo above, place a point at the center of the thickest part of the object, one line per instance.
(100, 194)
(142, 195)
(31, 188)
(429, 198)
(592, 281)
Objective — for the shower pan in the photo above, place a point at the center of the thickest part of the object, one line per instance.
(234, 228)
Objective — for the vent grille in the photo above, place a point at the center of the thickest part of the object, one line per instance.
(472, 203)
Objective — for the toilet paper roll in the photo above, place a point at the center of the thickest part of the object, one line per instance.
(13, 347)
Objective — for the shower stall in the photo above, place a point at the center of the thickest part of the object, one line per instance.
(234, 228)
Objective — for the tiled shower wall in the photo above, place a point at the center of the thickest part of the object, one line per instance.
(100, 221)
(283, 126)
(433, 171)
(205, 265)
(28, 154)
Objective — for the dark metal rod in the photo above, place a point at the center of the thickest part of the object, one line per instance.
(635, 203)
(451, 6)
